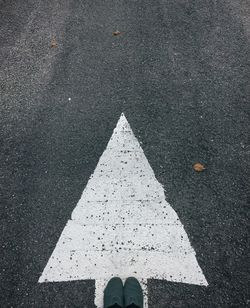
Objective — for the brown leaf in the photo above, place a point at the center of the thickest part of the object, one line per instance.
(53, 43)
(198, 167)
(115, 33)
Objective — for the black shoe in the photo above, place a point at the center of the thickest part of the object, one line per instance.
(113, 293)
(133, 296)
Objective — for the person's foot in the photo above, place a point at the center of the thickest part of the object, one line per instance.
(113, 293)
(133, 296)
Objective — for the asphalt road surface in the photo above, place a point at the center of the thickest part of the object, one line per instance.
(179, 70)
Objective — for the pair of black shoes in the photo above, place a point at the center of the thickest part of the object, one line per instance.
(118, 296)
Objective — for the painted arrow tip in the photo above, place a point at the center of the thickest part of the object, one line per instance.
(122, 225)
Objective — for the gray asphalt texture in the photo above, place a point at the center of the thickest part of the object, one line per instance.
(180, 73)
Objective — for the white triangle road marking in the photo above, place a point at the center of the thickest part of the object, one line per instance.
(123, 226)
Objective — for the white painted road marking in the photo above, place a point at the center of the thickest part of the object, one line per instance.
(123, 226)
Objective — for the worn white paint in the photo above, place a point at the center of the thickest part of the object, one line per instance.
(123, 226)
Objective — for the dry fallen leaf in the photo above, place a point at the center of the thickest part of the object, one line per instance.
(116, 33)
(198, 167)
(53, 43)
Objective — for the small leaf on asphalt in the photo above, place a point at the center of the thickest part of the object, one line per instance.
(53, 43)
(198, 167)
(116, 33)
